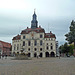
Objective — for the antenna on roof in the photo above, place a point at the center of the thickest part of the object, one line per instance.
(34, 10)
(48, 27)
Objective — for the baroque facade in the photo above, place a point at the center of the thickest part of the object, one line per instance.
(35, 41)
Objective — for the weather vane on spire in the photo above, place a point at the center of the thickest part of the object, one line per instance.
(34, 10)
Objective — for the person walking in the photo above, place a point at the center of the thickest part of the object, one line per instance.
(2, 56)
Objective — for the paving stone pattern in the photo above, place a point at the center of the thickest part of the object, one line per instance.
(41, 66)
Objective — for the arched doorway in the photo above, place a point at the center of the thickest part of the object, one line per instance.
(18, 53)
(41, 55)
(35, 55)
(29, 54)
(52, 54)
(47, 54)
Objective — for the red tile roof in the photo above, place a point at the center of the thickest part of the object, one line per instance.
(37, 30)
(50, 35)
(5, 44)
(18, 37)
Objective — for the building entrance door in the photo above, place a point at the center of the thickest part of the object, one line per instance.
(47, 54)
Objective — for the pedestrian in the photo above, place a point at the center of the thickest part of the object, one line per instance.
(6, 56)
(2, 56)
(59, 56)
(37, 57)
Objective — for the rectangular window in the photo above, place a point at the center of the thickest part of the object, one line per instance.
(41, 36)
(24, 37)
(28, 49)
(51, 47)
(23, 43)
(14, 47)
(17, 46)
(40, 42)
(29, 43)
(35, 43)
(47, 48)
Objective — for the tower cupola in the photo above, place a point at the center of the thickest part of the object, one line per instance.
(34, 22)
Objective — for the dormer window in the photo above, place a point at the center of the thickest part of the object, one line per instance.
(24, 37)
(41, 36)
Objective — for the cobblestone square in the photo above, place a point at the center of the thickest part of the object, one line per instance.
(41, 66)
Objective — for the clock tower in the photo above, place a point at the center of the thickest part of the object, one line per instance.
(34, 22)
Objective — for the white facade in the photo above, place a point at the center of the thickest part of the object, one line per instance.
(35, 42)
(47, 45)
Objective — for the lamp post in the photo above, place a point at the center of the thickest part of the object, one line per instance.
(59, 52)
(0, 53)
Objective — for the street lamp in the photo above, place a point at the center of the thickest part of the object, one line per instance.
(59, 52)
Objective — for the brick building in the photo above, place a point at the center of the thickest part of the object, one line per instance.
(5, 48)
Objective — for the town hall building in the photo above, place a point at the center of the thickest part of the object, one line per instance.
(34, 41)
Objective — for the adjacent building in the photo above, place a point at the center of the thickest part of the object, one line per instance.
(5, 48)
(57, 49)
(35, 41)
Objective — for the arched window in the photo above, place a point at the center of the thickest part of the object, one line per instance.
(17, 52)
(52, 54)
(35, 49)
(29, 54)
(47, 54)
(35, 54)
(41, 54)
(40, 49)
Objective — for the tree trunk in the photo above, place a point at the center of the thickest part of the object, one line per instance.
(74, 44)
(74, 49)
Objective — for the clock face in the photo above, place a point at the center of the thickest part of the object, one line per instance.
(32, 34)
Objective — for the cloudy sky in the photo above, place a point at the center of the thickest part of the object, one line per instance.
(52, 15)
